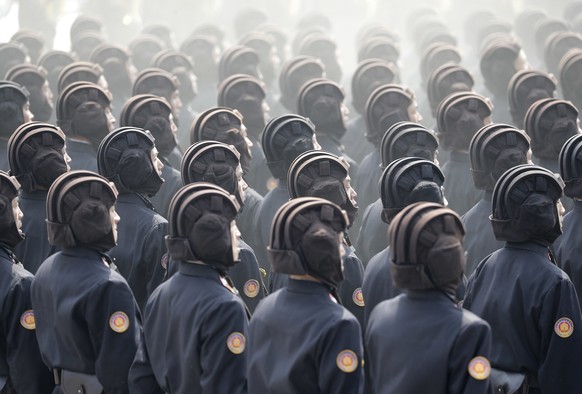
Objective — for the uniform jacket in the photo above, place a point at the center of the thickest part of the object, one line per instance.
(35, 248)
(20, 360)
(534, 315)
(480, 240)
(373, 236)
(87, 320)
(421, 342)
(366, 184)
(140, 254)
(357, 146)
(259, 178)
(83, 155)
(568, 248)
(195, 330)
(172, 183)
(459, 187)
(301, 341)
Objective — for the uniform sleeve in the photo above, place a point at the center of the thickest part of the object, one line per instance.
(247, 278)
(350, 289)
(469, 366)
(141, 374)
(115, 328)
(28, 373)
(340, 359)
(222, 353)
(155, 250)
(560, 327)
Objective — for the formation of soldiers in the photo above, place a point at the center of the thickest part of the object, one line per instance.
(181, 220)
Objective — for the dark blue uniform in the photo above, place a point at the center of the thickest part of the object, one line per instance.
(87, 320)
(459, 186)
(533, 311)
(260, 177)
(421, 342)
(554, 166)
(175, 158)
(140, 254)
(349, 289)
(373, 236)
(263, 219)
(568, 248)
(20, 360)
(246, 276)
(172, 183)
(195, 331)
(357, 146)
(83, 155)
(246, 218)
(366, 185)
(302, 341)
(480, 240)
(35, 248)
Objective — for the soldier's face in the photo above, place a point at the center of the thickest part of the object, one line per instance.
(27, 115)
(413, 114)
(66, 157)
(18, 215)
(157, 163)
(114, 217)
(110, 119)
(242, 185)
(234, 235)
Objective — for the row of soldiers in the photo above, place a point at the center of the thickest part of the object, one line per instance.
(214, 255)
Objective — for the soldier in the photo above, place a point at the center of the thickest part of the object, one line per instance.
(33, 78)
(294, 73)
(21, 366)
(323, 47)
(12, 54)
(494, 149)
(87, 321)
(404, 139)
(82, 72)
(247, 95)
(404, 182)
(219, 164)
(37, 156)
(143, 49)
(128, 157)
(238, 59)
(84, 115)
(54, 62)
(459, 117)
(300, 339)
(567, 246)
(369, 75)
(529, 302)
(205, 350)
(203, 50)
(387, 105)
(118, 70)
(14, 111)
(525, 88)
(321, 174)
(284, 138)
(225, 125)
(425, 323)
(154, 114)
(322, 101)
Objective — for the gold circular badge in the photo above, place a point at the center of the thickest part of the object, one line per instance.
(119, 322)
(564, 327)
(358, 297)
(27, 320)
(251, 288)
(347, 361)
(236, 343)
(479, 368)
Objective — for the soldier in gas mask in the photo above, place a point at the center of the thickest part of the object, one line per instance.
(300, 339)
(529, 302)
(14, 111)
(87, 320)
(427, 260)
(33, 78)
(209, 320)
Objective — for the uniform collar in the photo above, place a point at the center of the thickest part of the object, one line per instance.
(578, 205)
(7, 254)
(203, 270)
(84, 252)
(530, 246)
(135, 198)
(430, 295)
(308, 287)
